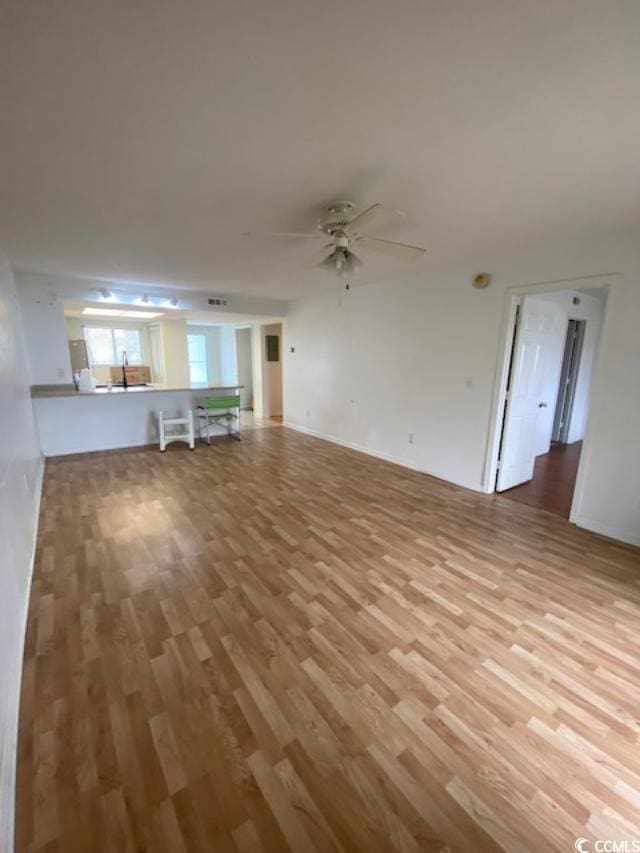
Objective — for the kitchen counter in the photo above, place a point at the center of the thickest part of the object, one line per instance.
(39, 392)
(70, 421)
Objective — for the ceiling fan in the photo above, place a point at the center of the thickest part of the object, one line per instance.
(344, 226)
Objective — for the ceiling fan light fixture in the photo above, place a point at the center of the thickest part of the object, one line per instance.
(354, 263)
(333, 261)
(342, 261)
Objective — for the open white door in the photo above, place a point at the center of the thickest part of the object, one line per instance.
(534, 346)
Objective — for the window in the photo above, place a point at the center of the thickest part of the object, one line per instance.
(129, 341)
(197, 345)
(106, 345)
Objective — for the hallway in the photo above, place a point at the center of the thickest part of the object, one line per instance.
(553, 482)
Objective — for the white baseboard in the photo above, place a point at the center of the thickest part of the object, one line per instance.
(351, 445)
(631, 537)
(11, 700)
(386, 457)
(52, 454)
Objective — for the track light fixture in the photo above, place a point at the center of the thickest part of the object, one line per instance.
(145, 299)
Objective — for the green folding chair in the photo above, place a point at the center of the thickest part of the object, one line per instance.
(220, 412)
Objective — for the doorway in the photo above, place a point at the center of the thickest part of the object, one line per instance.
(272, 375)
(245, 367)
(259, 370)
(568, 380)
(549, 364)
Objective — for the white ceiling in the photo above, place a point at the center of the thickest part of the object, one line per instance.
(141, 139)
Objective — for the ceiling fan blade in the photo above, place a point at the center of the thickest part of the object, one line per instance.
(389, 247)
(365, 217)
(399, 213)
(283, 234)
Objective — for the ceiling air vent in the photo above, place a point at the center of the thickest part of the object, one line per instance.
(216, 300)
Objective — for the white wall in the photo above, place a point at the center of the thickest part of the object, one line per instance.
(20, 481)
(175, 351)
(591, 309)
(82, 423)
(414, 357)
(45, 333)
(608, 484)
(419, 356)
(245, 372)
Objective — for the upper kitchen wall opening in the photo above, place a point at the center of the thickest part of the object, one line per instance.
(156, 336)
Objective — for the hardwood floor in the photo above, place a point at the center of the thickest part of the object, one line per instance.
(553, 482)
(283, 644)
(249, 421)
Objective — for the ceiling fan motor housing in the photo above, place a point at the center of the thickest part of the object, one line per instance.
(337, 218)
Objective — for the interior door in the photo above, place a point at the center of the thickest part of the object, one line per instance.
(533, 350)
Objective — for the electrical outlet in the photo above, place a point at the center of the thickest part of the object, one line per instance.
(308, 413)
(412, 438)
(469, 382)
(60, 372)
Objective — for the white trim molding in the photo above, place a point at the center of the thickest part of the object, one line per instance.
(10, 702)
(620, 534)
(385, 457)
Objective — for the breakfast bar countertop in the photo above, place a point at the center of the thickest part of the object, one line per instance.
(40, 391)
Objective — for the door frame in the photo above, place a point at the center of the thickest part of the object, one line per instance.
(512, 299)
(569, 373)
(247, 327)
(156, 329)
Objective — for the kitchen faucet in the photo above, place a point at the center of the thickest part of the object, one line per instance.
(125, 364)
